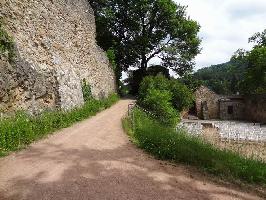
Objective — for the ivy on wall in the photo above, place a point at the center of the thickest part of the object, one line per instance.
(7, 46)
(111, 56)
(86, 90)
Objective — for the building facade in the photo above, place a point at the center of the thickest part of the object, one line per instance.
(209, 105)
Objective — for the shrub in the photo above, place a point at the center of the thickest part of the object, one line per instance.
(153, 82)
(182, 96)
(159, 102)
(164, 98)
(176, 145)
(86, 90)
(22, 129)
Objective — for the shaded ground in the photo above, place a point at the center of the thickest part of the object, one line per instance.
(95, 160)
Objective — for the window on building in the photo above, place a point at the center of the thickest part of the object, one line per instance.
(230, 110)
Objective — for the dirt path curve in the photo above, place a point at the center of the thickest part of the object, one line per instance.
(95, 160)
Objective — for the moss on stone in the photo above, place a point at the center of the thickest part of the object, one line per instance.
(7, 47)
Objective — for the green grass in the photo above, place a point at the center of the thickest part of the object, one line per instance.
(167, 144)
(21, 130)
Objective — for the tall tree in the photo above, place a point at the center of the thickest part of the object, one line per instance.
(259, 39)
(140, 30)
(255, 76)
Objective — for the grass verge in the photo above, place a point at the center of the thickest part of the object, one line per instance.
(168, 144)
(20, 130)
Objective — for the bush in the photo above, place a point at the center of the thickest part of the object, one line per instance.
(166, 143)
(22, 129)
(183, 98)
(164, 98)
(153, 82)
(86, 90)
(136, 76)
(159, 102)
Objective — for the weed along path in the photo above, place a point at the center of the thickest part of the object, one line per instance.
(95, 160)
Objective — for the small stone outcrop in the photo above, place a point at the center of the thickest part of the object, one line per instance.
(55, 50)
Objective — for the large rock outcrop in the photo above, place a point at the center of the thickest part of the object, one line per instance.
(55, 50)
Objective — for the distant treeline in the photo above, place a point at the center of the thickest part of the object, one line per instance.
(223, 78)
(245, 73)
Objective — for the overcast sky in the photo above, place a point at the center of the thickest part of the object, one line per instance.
(226, 26)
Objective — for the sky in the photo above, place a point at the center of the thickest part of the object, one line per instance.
(226, 26)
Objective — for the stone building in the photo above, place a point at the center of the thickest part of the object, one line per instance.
(232, 108)
(209, 105)
(255, 108)
(55, 50)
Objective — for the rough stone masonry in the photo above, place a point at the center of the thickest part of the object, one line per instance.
(55, 50)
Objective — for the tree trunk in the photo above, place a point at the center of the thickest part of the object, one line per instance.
(144, 63)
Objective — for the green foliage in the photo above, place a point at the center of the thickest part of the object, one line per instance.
(223, 78)
(108, 102)
(244, 73)
(20, 130)
(86, 90)
(153, 82)
(7, 46)
(135, 77)
(111, 57)
(259, 39)
(166, 143)
(183, 98)
(159, 103)
(191, 82)
(164, 98)
(155, 96)
(141, 30)
(255, 76)
(123, 89)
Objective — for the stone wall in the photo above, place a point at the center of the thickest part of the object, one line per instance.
(25, 88)
(255, 108)
(210, 105)
(237, 109)
(56, 49)
(207, 99)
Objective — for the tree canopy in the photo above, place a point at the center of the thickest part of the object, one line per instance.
(164, 98)
(135, 77)
(259, 39)
(244, 73)
(255, 76)
(140, 30)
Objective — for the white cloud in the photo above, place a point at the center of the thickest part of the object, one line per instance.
(226, 26)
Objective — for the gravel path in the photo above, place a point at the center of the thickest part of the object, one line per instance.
(95, 160)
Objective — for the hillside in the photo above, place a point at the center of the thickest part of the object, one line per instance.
(223, 78)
